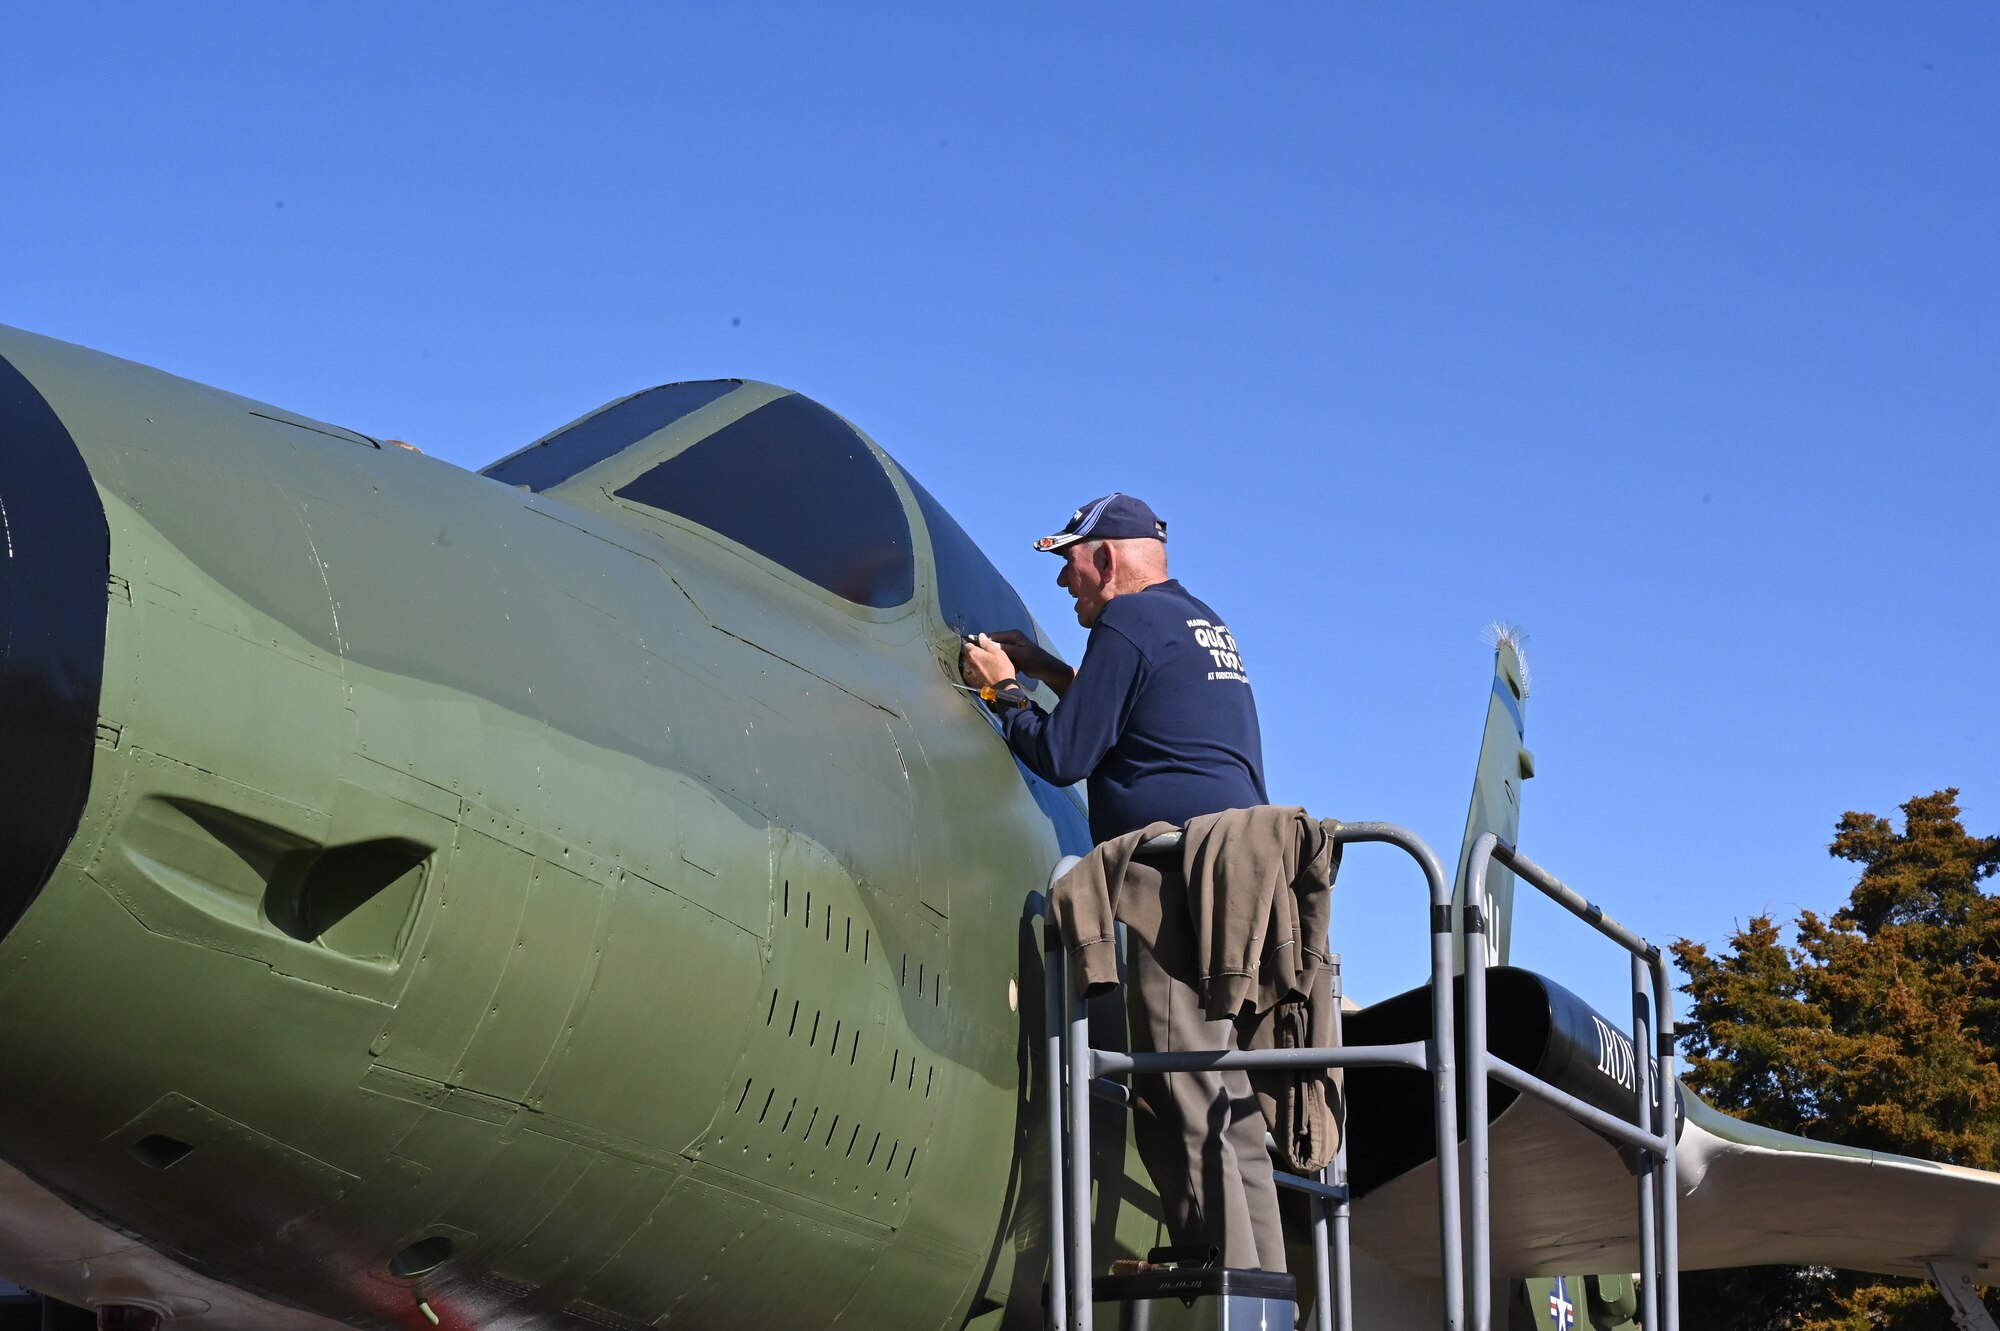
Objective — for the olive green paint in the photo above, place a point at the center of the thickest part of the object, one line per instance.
(675, 991)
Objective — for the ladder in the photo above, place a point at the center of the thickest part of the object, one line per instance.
(1075, 1073)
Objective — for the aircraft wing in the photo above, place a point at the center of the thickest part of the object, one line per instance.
(1752, 1196)
(1564, 1201)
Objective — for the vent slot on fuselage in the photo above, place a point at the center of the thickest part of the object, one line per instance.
(357, 900)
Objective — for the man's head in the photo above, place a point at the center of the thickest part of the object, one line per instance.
(1112, 546)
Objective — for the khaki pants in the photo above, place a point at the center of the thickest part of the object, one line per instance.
(1201, 1134)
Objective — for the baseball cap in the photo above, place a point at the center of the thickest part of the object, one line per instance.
(1115, 517)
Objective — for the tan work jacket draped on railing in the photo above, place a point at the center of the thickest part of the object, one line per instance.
(1259, 893)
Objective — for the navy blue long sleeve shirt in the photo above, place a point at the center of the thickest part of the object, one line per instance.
(1160, 717)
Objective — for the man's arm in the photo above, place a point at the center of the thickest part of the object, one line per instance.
(1065, 746)
(1031, 660)
(987, 659)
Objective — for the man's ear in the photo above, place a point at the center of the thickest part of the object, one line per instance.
(1104, 557)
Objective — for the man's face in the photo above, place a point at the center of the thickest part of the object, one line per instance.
(1083, 579)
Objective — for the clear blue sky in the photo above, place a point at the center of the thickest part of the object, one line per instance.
(1670, 336)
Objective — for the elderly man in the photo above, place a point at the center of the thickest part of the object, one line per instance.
(1160, 720)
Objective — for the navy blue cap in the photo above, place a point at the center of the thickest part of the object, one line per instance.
(1115, 517)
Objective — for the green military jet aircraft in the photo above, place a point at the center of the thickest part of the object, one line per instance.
(581, 894)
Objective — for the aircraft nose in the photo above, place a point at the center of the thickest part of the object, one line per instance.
(55, 559)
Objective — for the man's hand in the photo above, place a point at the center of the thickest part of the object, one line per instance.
(1029, 659)
(982, 661)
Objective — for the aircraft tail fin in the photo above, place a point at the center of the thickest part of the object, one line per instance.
(1504, 764)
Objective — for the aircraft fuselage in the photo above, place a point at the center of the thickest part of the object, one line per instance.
(544, 909)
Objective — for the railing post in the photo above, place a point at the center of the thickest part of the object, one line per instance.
(1477, 1137)
(1444, 1078)
(1341, 1223)
(1322, 1283)
(1079, 1158)
(1443, 1060)
(1340, 1211)
(1054, 1009)
(1642, 1063)
(1669, 1183)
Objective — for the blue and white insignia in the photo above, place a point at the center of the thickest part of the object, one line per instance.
(1561, 1310)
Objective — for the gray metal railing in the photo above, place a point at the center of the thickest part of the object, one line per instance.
(1067, 1048)
(1329, 1205)
(1650, 1132)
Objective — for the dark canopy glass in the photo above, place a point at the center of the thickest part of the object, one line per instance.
(595, 438)
(971, 592)
(795, 483)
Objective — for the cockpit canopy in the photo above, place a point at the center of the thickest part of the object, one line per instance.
(787, 479)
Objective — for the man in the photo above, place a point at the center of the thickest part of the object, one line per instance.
(1160, 720)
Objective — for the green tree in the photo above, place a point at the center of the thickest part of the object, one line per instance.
(1878, 1027)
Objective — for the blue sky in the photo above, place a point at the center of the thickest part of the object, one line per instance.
(1669, 336)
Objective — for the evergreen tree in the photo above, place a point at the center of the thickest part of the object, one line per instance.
(1878, 1028)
